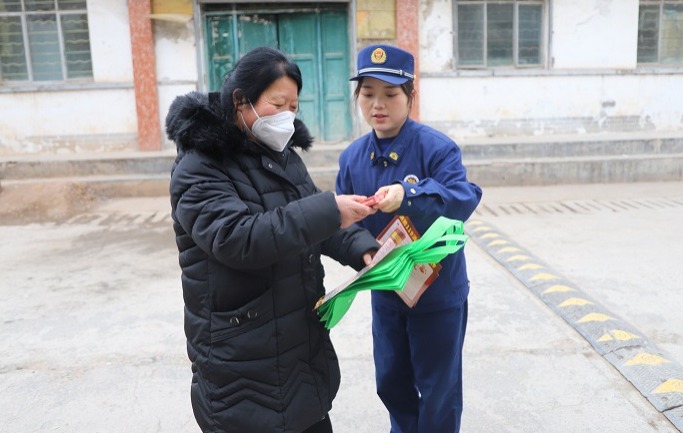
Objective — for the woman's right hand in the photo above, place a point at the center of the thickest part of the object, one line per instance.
(393, 197)
(351, 209)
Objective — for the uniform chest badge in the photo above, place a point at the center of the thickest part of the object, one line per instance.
(411, 178)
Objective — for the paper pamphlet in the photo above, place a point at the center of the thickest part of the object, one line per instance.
(401, 231)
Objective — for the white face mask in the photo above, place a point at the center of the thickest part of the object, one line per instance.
(273, 131)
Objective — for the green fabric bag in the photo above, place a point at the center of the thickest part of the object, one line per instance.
(445, 236)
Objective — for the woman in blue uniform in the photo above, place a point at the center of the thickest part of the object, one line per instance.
(419, 173)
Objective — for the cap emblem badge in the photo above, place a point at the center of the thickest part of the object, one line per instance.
(378, 56)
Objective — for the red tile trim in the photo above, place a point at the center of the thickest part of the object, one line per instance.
(144, 74)
(408, 39)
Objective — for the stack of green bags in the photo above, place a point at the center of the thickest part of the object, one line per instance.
(445, 236)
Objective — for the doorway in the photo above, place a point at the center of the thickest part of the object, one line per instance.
(316, 39)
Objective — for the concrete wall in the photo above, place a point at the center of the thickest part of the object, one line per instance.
(110, 41)
(176, 62)
(68, 121)
(78, 116)
(591, 84)
(98, 115)
(600, 34)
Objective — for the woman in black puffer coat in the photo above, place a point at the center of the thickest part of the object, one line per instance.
(250, 227)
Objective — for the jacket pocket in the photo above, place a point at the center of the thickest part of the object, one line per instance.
(245, 333)
(242, 365)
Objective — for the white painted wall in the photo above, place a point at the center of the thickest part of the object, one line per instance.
(68, 121)
(110, 44)
(89, 116)
(594, 79)
(436, 36)
(589, 34)
(586, 34)
(176, 64)
(176, 58)
(593, 47)
(463, 106)
(99, 115)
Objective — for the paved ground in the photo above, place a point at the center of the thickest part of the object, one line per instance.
(91, 332)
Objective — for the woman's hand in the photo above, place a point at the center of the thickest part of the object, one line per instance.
(393, 197)
(351, 209)
(367, 257)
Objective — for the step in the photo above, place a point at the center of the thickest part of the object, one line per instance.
(80, 165)
(577, 170)
(503, 161)
(554, 171)
(592, 145)
(56, 199)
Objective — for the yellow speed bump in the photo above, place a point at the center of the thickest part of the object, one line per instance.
(646, 359)
(508, 250)
(558, 288)
(575, 302)
(490, 236)
(671, 385)
(482, 229)
(529, 266)
(618, 334)
(517, 258)
(542, 277)
(498, 242)
(595, 317)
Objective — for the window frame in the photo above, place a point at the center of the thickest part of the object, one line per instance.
(58, 14)
(660, 28)
(543, 46)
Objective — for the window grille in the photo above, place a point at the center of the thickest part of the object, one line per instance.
(44, 40)
(660, 32)
(498, 33)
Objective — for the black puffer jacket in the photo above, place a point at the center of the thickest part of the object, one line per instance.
(250, 227)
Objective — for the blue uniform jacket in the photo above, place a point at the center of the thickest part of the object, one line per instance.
(429, 166)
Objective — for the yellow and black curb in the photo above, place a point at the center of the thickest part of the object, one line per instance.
(655, 374)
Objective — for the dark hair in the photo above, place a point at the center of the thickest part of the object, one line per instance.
(253, 73)
(407, 88)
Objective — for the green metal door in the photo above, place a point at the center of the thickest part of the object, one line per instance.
(316, 40)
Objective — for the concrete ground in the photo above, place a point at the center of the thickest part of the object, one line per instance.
(91, 333)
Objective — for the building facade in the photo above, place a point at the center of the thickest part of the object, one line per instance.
(98, 75)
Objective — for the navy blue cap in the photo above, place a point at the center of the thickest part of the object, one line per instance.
(386, 63)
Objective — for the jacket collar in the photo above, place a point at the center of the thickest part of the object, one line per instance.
(397, 149)
(196, 121)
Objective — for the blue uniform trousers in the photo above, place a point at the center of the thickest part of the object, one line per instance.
(418, 366)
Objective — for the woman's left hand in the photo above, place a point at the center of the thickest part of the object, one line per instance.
(351, 209)
(367, 257)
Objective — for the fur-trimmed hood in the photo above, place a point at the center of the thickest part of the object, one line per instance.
(196, 122)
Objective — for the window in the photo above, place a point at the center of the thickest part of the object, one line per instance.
(44, 40)
(660, 31)
(498, 33)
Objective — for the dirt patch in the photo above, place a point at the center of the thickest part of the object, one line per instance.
(44, 202)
